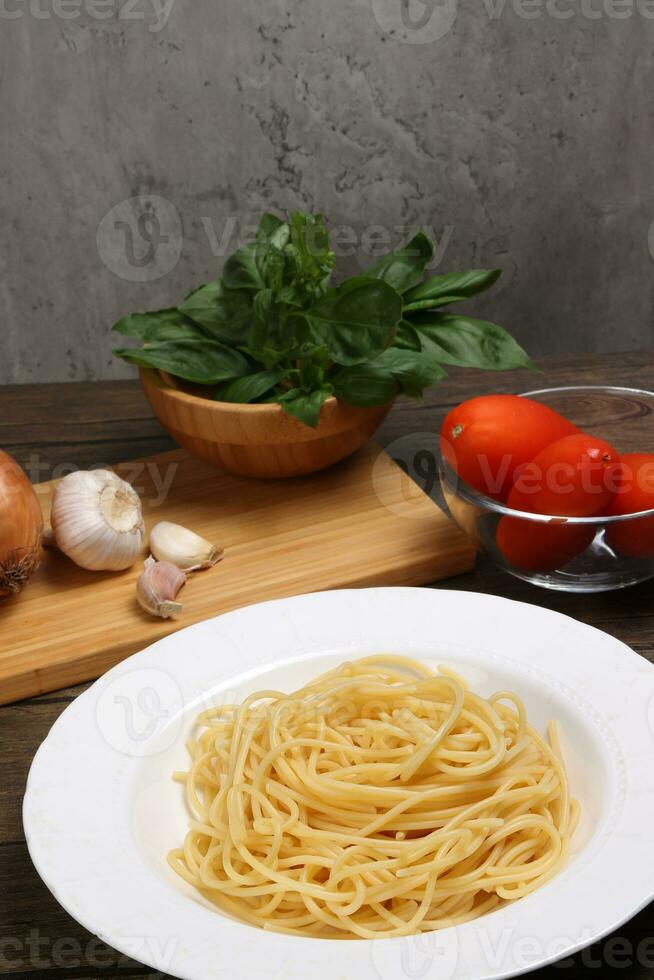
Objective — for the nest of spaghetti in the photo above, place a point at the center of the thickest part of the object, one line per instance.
(382, 799)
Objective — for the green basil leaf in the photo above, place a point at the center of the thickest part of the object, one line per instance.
(413, 370)
(394, 370)
(205, 362)
(453, 287)
(270, 357)
(271, 339)
(158, 325)
(272, 398)
(364, 385)
(431, 304)
(249, 388)
(355, 320)
(404, 268)
(406, 337)
(245, 269)
(289, 295)
(272, 230)
(273, 265)
(305, 406)
(313, 361)
(223, 313)
(263, 301)
(309, 248)
(468, 342)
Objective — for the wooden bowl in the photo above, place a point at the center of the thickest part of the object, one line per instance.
(258, 440)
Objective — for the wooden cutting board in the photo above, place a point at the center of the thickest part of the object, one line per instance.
(360, 523)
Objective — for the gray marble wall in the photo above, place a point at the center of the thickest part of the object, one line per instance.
(141, 137)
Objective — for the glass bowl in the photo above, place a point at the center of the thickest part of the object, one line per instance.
(622, 416)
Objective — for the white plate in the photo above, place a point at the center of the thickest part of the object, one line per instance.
(101, 810)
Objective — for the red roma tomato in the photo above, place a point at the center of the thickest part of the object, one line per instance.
(541, 547)
(487, 440)
(636, 492)
(577, 476)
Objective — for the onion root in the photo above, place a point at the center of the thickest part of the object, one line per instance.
(14, 572)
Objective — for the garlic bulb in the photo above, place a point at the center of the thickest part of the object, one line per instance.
(97, 520)
(182, 547)
(157, 587)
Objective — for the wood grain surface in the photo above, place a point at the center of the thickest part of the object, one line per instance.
(358, 523)
(50, 427)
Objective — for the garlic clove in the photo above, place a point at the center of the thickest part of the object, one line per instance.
(157, 588)
(183, 547)
(97, 520)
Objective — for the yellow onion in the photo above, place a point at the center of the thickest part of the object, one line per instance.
(21, 525)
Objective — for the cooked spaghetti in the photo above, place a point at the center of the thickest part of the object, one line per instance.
(382, 799)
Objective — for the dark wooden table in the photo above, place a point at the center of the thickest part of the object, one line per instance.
(46, 427)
